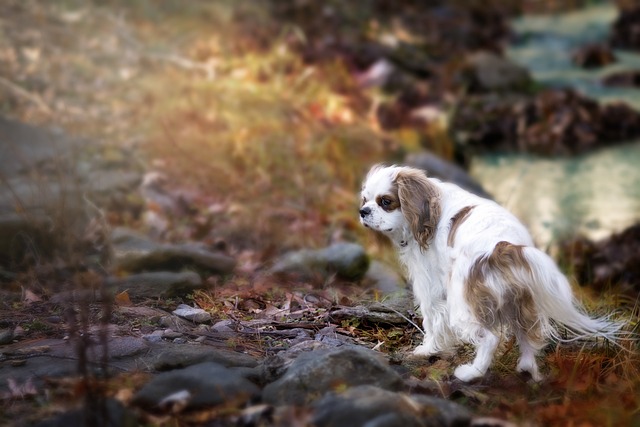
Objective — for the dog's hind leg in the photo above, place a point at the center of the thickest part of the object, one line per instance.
(486, 345)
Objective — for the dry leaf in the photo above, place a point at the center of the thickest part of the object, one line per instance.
(122, 299)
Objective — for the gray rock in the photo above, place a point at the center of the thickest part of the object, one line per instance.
(45, 192)
(198, 386)
(170, 334)
(446, 171)
(196, 315)
(173, 357)
(160, 284)
(449, 413)
(490, 72)
(373, 406)
(348, 261)
(6, 336)
(134, 252)
(384, 279)
(315, 373)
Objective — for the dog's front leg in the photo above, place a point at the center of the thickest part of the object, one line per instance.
(437, 335)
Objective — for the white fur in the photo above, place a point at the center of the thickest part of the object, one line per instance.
(439, 273)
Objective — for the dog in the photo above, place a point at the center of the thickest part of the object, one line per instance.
(475, 271)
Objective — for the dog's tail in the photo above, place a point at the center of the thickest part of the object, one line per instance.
(556, 302)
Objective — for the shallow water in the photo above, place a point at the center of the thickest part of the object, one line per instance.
(594, 194)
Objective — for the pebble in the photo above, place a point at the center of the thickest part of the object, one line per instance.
(197, 315)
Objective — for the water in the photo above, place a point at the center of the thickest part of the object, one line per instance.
(594, 194)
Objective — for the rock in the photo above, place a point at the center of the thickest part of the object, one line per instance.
(49, 192)
(373, 406)
(173, 357)
(159, 284)
(611, 262)
(384, 279)
(488, 72)
(199, 386)
(312, 374)
(627, 78)
(625, 31)
(440, 168)
(170, 334)
(593, 56)
(196, 315)
(6, 336)
(134, 252)
(348, 261)
(551, 123)
(329, 335)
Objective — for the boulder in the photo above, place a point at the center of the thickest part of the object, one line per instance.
(373, 406)
(134, 252)
(593, 56)
(173, 357)
(157, 284)
(51, 187)
(440, 168)
(348, 261)
(315, 373)
(198, 386)
(488, 72)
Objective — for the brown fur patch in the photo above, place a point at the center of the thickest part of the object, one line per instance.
(420, 204)
(391, 201)
(517, 308)
(456, 221)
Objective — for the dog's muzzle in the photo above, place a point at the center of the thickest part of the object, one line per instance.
(364, 212)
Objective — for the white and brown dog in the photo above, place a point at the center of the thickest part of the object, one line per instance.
(475, 270)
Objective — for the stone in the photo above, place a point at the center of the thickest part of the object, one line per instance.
(384, 279)
(488, 71)
(313, 374)
(348, 261)
(157, 284)
(373, 406)
(178, 356)
(593, 56)
(199, 386)
(444, 170)
(196, 315)
(6, 336)
(133, 252)
(49, 193)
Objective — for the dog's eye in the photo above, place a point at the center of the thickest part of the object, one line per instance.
(385, 202)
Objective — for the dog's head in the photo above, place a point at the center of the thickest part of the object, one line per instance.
(396, 198)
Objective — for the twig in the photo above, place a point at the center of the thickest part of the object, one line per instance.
(25, 94)
(208, 67)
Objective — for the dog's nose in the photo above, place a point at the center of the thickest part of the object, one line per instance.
(365, 211)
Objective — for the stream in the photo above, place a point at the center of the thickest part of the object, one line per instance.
(594, 194)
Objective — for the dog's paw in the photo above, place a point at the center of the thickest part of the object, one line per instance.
(531, 369)
(467, 373)
(424, 351)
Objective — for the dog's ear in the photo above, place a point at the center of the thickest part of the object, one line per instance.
(420, 204)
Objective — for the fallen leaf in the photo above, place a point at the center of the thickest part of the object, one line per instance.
(122, 299)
